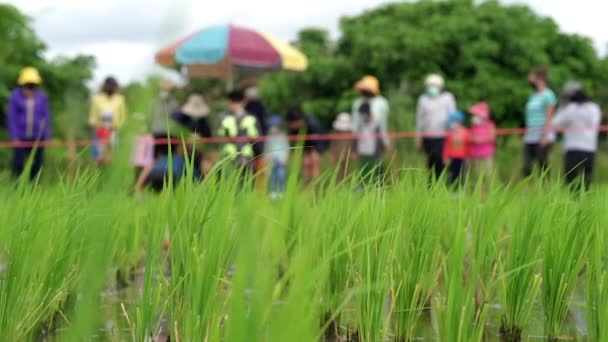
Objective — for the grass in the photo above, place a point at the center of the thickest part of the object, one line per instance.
(332, 260)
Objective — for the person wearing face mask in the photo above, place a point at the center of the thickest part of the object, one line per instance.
(108, 114)
(580, 118)
(456, 150)
(28, 121)
(369, 90)
(483, 140)
(539, 113)
(433, 109)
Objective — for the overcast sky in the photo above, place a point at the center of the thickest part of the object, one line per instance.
(124, 34)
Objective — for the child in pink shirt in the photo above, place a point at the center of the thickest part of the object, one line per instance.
(482, 146)
(142, 157)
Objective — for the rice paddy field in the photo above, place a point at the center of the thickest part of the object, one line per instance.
(220, 262)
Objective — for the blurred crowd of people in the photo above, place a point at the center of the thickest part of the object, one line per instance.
(257, 143)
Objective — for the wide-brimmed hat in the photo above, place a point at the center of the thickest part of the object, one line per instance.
(195, 107)
(343, 122)
(29, 75)
(368, 83)
(481, 110)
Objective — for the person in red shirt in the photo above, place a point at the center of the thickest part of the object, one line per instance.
(456, 149)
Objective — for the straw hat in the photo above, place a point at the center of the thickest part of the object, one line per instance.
(343, 122)
(434, 80)
(29, 75)
(369, 83)
(481, 109)
(195, 107)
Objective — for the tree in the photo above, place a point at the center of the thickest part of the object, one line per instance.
(485, 51)
(64, 78)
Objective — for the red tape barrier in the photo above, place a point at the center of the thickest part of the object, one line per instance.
(292, 138)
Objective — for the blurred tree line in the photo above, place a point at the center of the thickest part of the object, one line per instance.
(64, 79)
(485, 51)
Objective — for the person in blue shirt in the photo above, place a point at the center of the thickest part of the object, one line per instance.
(277, 155)
(539, 113)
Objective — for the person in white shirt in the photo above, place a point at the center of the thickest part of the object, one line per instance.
(434, 107)
(580, 120)
(369, 89)
(369, 145)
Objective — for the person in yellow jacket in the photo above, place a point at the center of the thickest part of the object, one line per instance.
(237, 123)
(108, 114)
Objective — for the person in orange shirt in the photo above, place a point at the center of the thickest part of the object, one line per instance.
(456, 149)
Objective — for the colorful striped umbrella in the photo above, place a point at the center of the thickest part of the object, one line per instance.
(212, 52)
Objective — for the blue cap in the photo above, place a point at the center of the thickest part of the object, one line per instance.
(275, 120)
(456, 116)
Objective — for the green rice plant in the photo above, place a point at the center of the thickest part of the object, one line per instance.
(596, 275)
(276, 294)
(376, 235)
(40, 259)
(416, 266)
(459, 317)
(569, 233)
(326, 259)
(202, 231)
(84, 318)
(486, 241)
(154, 295)
(519, 281)
(338, 226)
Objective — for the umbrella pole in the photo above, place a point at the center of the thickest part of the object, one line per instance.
(230, 81)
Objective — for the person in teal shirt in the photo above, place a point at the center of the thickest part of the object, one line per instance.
(539, 113)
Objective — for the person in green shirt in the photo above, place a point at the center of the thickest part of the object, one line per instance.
(539, 113)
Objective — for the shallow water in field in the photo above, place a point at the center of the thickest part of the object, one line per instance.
(116, 327)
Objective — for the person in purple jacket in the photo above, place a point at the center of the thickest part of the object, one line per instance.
(28, 122)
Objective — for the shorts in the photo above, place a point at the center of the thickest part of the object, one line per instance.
(104, 142)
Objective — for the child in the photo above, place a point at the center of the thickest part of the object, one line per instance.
(108, 114)
(276, 151)
(456, 149)
(142, 157)
(369, 144)
(340, 150)
(483, 140)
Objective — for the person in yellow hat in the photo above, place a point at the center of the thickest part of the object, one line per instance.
(108, 114)
(369, 89)
(28, 122)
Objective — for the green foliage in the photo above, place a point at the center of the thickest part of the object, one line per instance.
(485, 51)
(64, 78)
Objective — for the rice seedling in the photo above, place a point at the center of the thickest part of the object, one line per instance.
(201, 226)
(520, 282)
(336, 250)
(319, 264)
(596, 275)
(459, 317)
(376, 234)
(568, 236)
(416, 264)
